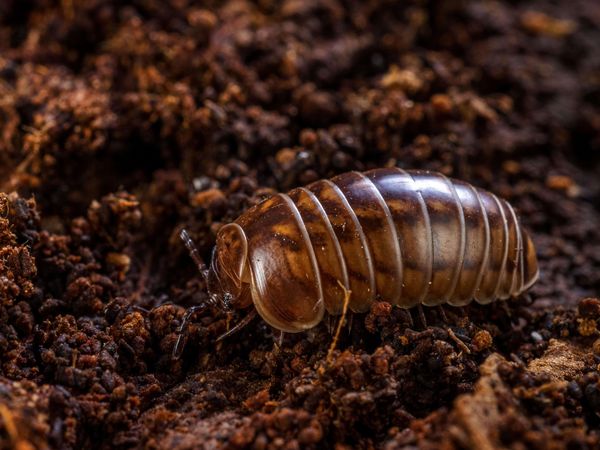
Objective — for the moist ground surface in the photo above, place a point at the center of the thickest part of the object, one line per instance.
(120, 124)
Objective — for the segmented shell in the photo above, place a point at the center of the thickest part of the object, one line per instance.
(406, 237)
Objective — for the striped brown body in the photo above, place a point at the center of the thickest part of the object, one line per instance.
(406, 237)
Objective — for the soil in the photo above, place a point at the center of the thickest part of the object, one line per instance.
(121, 124)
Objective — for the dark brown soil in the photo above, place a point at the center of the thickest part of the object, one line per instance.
(120, 125)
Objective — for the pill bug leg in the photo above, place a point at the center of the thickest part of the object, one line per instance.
(409, 318)
(238, 326)
(421, 314)
(463, 312)
(181, 332)
(442, 313)
(281, 338)
(278, 338)
(453, 315)
(350, 322)
(506, 310)
(330, 323)
(527, 299)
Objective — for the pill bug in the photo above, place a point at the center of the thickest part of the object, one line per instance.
(406, 237)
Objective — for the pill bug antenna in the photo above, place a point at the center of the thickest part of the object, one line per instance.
(181, 332)
(194, 254)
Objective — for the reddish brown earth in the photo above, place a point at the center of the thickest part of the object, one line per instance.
(119, 125)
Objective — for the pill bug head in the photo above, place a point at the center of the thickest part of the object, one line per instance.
(530, 270)
(228, 276)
